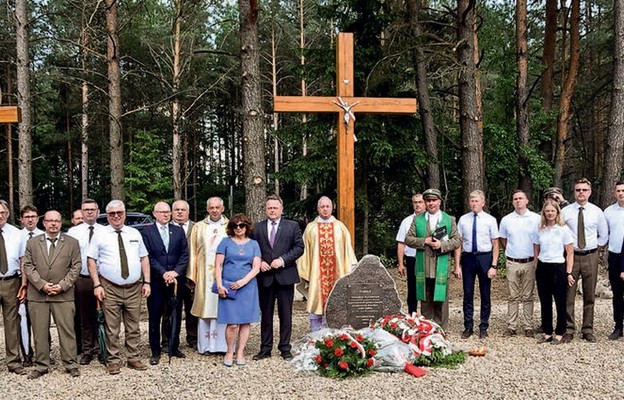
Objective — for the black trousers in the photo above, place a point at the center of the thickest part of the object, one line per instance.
(410, 267)
(156, 303)
(284, 294)
(472, 270)
(617, 285)
(552, 282)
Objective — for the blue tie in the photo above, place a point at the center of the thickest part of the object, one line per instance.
(164, 234)
(474, 233)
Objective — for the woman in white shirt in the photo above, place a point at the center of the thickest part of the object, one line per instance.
(554, 254)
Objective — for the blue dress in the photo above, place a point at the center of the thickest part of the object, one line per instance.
(245, 307)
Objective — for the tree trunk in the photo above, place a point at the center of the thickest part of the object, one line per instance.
(469, 117)
(253, 133)
(70, 163)
(424, 102)
(175, 105)
(304, 117)
(522, 95)
(114, 102)
(565, 102)
(9, 135)
(84, 102)
(548, 54)
(276, 148)
(24, 160)
(615, 143)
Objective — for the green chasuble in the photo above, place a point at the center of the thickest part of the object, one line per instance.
(441, 278)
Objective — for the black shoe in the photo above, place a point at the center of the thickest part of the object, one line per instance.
(74, 372)
(567, 338)
(262, 355)
(86, 359)
(617, 333)
(179, 354)
(287, 355)
(483, 333)
(590, 337)
(27, 362)
(154, 360)
(18, 370)
(467, 333)
(36, 374)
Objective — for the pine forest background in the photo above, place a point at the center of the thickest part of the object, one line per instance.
(149, 100)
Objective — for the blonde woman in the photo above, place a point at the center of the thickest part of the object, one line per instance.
(554, 254)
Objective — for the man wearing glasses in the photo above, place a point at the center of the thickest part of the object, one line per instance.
(86, 328)
(12, 249)
(589, 230)
(120, 270)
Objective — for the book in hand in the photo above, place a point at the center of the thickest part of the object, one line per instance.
(440, 233)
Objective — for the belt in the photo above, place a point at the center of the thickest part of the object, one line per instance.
(584, 252)
(127, 286)
(520, 260)
(6, 278)
(84, 276)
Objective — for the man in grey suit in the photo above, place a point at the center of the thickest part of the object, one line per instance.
(52, 264)
(281, 245)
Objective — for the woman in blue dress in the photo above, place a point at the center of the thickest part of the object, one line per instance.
(236, 265)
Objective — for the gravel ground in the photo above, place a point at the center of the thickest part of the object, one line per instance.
(514, 368)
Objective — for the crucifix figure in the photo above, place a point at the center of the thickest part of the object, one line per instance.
(346, 106)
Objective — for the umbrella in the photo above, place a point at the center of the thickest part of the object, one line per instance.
(101, 334)
(174, 335)
(24, 328)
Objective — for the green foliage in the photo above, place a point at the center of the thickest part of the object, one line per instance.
(148, 174)
(438, 359)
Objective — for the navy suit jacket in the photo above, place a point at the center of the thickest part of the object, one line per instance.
(161, 260)
(288, 245)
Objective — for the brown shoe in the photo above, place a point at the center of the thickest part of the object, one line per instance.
(36, 374)
(567, 338)
(529, 333)
(18, 370)
(510, 332)
(113, 368)
(589, 337)
(138, 365)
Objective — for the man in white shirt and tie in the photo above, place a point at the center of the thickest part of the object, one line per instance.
(614, 215)
(479, 259)
(589, 230)
(406, 255)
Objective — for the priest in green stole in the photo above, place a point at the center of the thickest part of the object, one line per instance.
(435, 237)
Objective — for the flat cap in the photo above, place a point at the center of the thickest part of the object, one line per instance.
(432, 193)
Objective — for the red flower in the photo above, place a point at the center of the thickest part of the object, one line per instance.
(370, 362)
(343, 365)
(353, 345)
(372, 352)
(344, 336)
(319, 359)
(328, 342)
(359, 338)
(325, 365)
(338, 352)
(393, 325)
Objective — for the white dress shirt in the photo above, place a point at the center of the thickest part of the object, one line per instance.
(552, 241)
(487, 230)
(403, 229)
(81, 234)
(614, 214)
(519, 230)
(15, 244)
(104, 248)
(596, 228)
(35, 232)
(184, 226)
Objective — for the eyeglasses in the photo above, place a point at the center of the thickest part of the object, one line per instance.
(4, 213)
(162, 212)
(115, 213)
(582, 190)
(240, 226)
(30, 216)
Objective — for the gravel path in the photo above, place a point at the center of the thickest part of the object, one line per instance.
(514, 368)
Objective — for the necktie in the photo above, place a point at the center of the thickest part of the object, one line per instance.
(30, 235)
(122, 256)
(273, 232)
(580, 233)
(474, 233)
(4, 262)
(52, 247)
(164, 234)
(90, 233)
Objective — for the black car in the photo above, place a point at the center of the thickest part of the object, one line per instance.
(136, 220)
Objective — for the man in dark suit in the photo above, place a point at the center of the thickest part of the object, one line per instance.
(168, 254)
(281, 245)
(52, 264)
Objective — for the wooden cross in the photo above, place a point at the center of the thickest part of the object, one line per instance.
(345, 105)
(10, 114)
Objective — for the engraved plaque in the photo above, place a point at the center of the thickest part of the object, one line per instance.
(364, 303)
